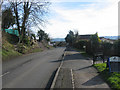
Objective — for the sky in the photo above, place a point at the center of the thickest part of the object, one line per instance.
(84, 16)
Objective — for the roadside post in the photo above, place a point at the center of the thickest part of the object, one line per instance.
(114, 64)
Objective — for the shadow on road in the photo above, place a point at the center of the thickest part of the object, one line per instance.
(50, 80)
(84, 68)
(75, 57)
(56, 61)
(93, 81)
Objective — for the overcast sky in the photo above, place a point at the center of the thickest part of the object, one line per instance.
(86, 16)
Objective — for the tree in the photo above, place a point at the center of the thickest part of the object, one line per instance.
(33, 36)
(116, 47)
(7, 18)
(28, 14)
(70, 38)
(95, 43)
(107, 48)
(46, 37)
(41, 34)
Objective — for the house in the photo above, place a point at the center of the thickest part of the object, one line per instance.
(107, 40)
(51, 44)
(85, 37)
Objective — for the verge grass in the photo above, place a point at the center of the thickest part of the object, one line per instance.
(113, 79)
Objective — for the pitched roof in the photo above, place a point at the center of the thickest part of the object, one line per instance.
(87, 36)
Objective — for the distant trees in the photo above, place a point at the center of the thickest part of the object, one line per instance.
(70, 38)
(40, 34)
(43, 36)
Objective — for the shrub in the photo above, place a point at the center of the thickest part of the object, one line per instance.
(21, 48)
(80, 44)
(26, 40)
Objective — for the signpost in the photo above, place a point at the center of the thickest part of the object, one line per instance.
(114, 64)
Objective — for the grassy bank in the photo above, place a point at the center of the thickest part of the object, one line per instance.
(8, 50)
(113, 79)
(11, 49)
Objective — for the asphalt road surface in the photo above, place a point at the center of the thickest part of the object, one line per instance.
(84, 74)
(31, 71)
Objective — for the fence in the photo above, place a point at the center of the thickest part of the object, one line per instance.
(11, 31)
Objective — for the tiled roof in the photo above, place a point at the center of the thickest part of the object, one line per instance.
(85, 36)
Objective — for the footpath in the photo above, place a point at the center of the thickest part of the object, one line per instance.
(77, 72)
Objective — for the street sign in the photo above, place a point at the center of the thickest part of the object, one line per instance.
(114, 64)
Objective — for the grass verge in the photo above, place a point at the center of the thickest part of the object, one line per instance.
(8, 50)
(9, 54)
(113, 79)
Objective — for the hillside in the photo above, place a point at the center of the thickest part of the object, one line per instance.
(11, 48)
(8, 49)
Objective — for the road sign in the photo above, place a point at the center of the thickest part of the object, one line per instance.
(114, 64)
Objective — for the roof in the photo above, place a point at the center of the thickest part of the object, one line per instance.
(85, 36)
(107, 40)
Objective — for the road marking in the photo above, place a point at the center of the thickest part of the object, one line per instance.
(73, 83)
(4, 74)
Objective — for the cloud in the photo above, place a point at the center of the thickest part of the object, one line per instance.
(82, 0)
(96, 17)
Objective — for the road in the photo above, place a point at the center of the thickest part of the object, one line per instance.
(31, 71)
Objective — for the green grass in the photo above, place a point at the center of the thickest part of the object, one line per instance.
(8, 50)
(113, 79)
(100, 67)
(9, 54)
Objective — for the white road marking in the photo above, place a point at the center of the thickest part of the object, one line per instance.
(73, 83)
(4, 74)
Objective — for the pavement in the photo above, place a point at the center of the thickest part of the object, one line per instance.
(84, 74)
(64, 79)
(32, 70)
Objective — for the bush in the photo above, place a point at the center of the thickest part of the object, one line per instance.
(107, 48)
(21, 48)
(26, 40)
(116, 47)
(80, 44)
(12, 39)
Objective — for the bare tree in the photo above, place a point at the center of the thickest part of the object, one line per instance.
(28, 14)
